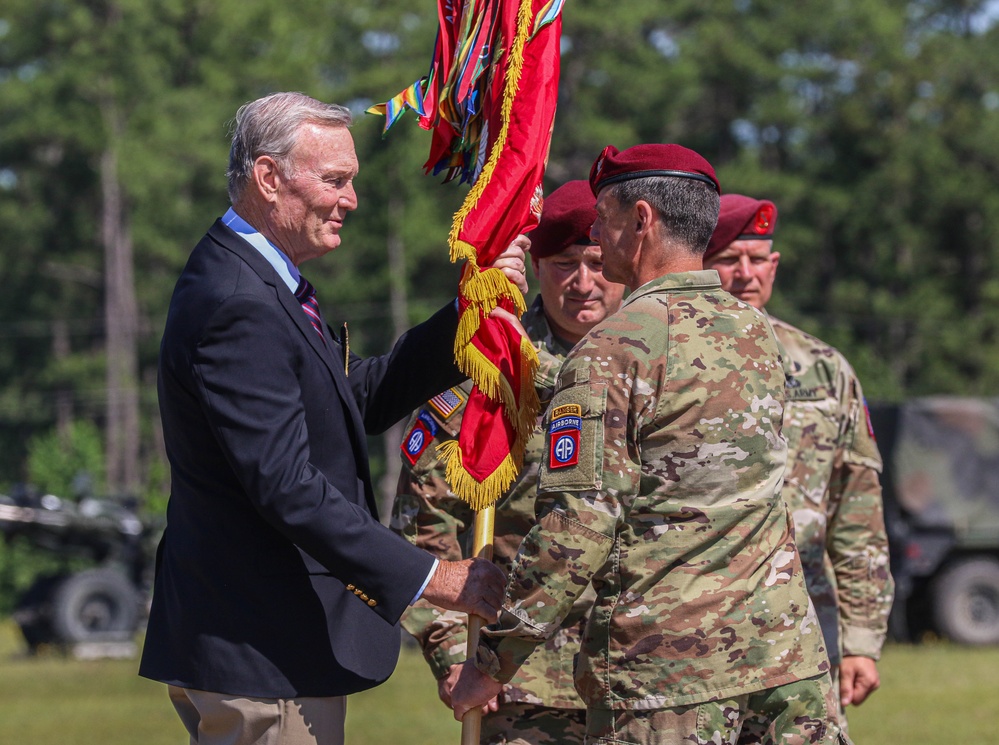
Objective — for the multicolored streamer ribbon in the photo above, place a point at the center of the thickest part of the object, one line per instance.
(489, 101)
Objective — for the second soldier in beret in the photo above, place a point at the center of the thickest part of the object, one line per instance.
(539, 704)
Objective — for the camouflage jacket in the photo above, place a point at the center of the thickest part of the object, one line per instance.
(660, 484)
(834, 493)
(431, 516)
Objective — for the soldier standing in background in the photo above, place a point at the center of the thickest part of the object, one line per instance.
(540, 703)
(832, 485)
(660, 484)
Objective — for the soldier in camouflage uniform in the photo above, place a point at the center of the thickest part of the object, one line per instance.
(660, 485)
(539, 704)
(832, 482)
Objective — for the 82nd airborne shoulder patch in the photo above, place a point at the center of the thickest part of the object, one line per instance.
(563, 436)
(419, 438)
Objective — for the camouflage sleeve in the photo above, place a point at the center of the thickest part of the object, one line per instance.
(856, 540)
(428, 515)
(552, 569)
(578, 511)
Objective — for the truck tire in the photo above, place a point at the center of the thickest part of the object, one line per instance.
(966, 601)
(96, 605)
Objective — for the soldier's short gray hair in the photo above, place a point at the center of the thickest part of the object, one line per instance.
(270, 126)
(688, 208)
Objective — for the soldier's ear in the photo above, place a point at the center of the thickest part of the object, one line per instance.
(645, 216)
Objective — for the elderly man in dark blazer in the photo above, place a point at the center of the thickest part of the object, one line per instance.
(277, 590)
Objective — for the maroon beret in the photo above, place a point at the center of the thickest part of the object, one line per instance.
(643, 161)
(742, 218)
(566, 217)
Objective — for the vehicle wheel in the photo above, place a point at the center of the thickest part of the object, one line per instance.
(966, 601)
(95, 605)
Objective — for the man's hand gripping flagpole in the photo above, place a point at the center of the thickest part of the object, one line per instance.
(489, 100)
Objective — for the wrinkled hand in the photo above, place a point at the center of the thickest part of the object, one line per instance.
(858, 678)
(471, 688)
(512, 262)
(473, 586)
(444, 686)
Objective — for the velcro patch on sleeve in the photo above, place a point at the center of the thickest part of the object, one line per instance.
(420, 436)
(563, 436)
(573, 452)
(447, 403)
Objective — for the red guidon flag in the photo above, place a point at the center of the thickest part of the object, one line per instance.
(489, 100)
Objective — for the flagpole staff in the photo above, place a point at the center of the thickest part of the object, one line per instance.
(492, 88)
(485, 519)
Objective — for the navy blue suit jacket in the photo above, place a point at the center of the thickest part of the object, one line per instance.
(274, 577)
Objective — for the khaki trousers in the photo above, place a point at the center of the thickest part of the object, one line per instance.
(220, 719)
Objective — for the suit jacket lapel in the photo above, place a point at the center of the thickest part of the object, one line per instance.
(231, 241)
(289, 302)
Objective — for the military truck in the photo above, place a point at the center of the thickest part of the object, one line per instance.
(941, 492)
(101, 604)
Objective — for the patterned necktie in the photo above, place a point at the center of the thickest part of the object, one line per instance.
(306, 295)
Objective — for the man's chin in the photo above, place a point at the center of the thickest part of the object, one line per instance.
(752, 298)
(589, 318)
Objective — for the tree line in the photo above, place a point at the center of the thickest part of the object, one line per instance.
(874, 127)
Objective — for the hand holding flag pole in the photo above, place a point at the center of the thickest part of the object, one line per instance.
(471, 723)
(489, 100)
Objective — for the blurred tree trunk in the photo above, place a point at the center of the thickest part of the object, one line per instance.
(399, 308)
(63, 394)
(120, 323)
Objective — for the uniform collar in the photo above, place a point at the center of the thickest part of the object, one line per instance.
(705, 279)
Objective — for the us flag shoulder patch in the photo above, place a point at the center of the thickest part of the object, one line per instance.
(447, 403)
(867, 417)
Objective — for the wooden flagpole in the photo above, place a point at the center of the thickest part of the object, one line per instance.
(485, 519)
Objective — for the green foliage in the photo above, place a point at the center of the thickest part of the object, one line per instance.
(870, 125)
(69, 465)
(21, 563)
(873, 126)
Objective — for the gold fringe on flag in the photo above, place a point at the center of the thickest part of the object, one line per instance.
(483, 290)
(478, 494)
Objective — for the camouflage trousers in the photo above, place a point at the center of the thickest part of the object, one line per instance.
(834, 674)
(528, 724)
(801, 713)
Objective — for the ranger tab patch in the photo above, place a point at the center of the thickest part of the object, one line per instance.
(563, 436)
(419, 438)
(447, 403)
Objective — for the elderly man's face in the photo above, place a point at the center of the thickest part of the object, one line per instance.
(747, 270)
(575, 292)
(315, 194)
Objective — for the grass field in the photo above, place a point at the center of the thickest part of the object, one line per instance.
(932, 694)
